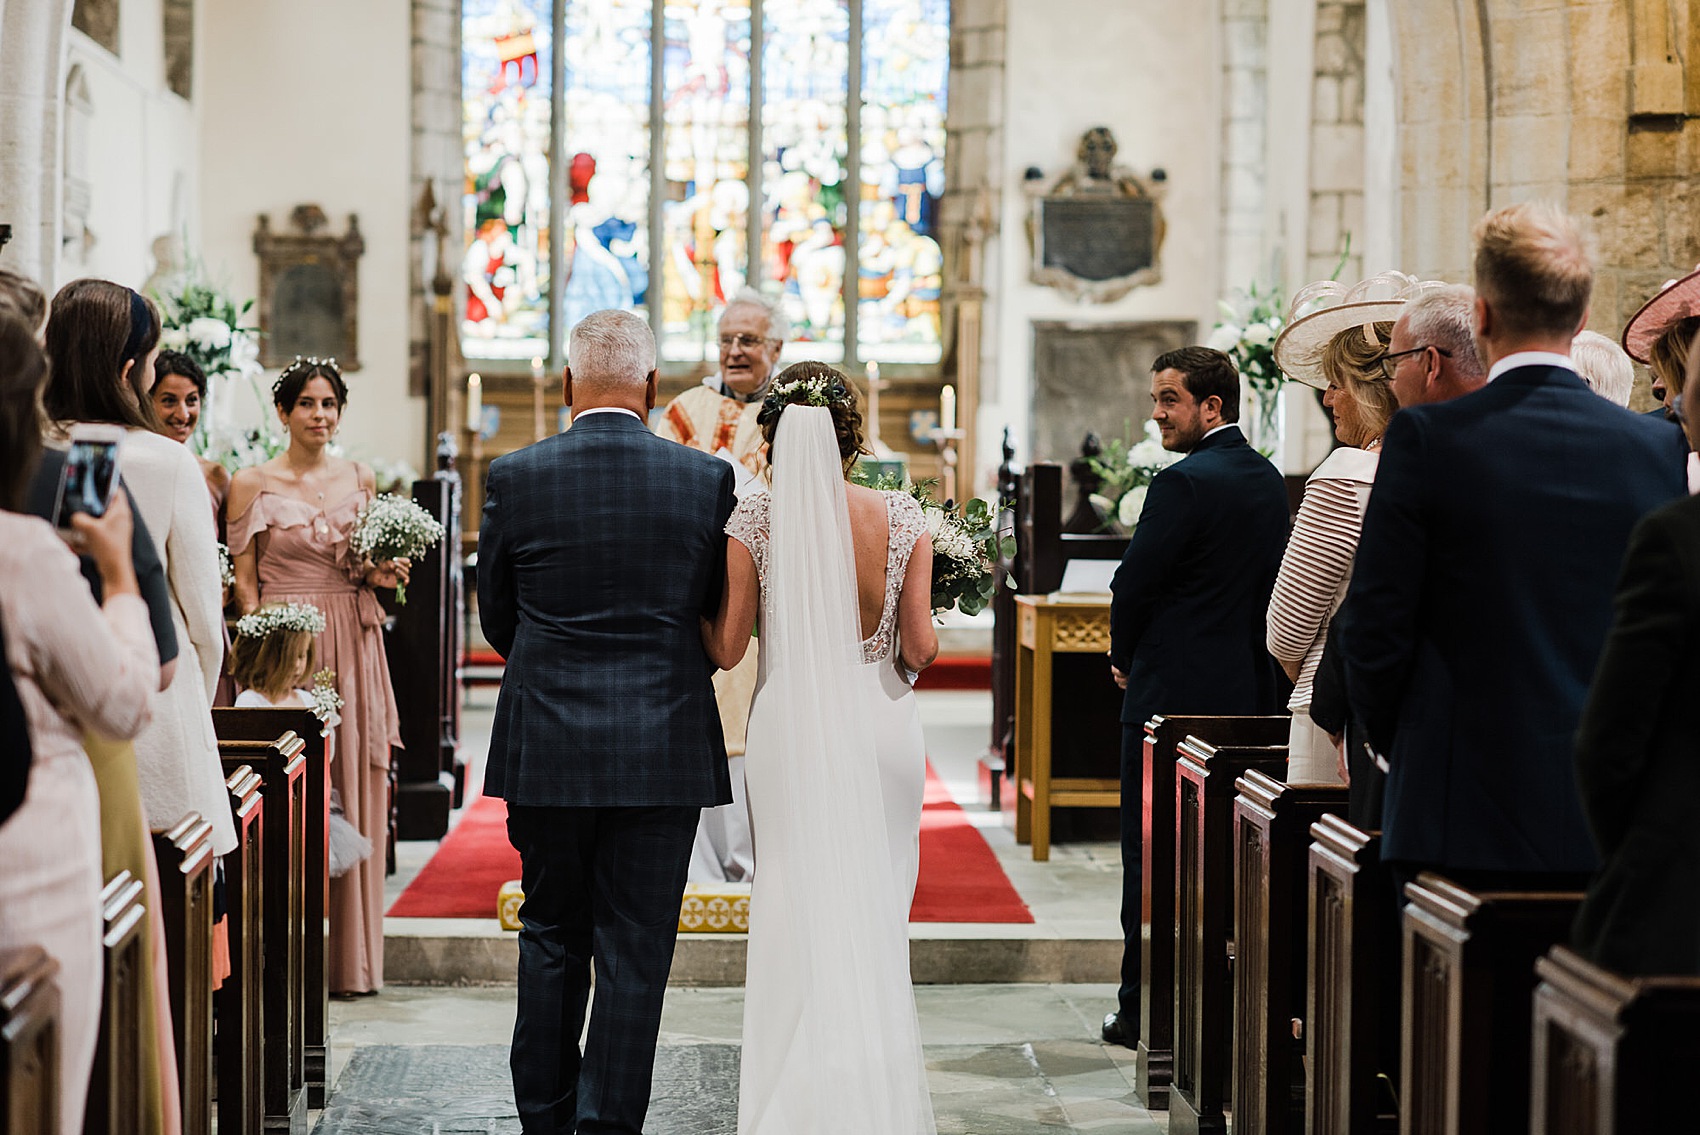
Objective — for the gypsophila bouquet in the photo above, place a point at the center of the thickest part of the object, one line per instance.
(393, 528)
(1125, 471)
(326, 701)
(275, 617)
(966, 546)
(226, 566)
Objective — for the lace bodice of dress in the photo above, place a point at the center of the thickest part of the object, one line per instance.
(905, 524)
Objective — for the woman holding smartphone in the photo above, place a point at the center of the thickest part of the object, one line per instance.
(78, 668)
(290, 521)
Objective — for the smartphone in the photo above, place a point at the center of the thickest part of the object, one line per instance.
(90, 476)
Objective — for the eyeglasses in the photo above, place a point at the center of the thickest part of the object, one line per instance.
(747, 342)
(1388, 366)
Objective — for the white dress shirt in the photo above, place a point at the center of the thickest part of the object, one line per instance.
(1530, 359)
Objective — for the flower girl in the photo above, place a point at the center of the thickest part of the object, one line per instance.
(270, 659)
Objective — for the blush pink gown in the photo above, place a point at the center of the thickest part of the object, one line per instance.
(302, 555)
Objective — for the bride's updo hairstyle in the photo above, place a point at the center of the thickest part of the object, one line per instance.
(813, 383)
(299, 373)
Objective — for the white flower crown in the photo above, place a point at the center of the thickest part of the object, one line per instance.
(281, 617)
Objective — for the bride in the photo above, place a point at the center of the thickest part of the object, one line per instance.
(836, 765)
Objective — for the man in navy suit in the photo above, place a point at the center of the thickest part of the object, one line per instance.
(600, 549)
(1482, 590)
(1191, 596)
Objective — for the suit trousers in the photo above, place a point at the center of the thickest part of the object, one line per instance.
(601, 884)
(1133, 819)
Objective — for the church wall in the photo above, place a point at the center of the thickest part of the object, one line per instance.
(131, 154)
(1139, 67)
(310, 102)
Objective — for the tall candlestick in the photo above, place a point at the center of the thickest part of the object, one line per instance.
(874, 385)
(475, 403)
(537, 399)
(947, 408)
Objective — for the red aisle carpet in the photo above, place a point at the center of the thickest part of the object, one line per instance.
(960, 878)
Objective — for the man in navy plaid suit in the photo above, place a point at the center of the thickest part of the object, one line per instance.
(599, 551)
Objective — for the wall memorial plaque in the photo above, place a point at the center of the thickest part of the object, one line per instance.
(309, 290)
(1098, 232)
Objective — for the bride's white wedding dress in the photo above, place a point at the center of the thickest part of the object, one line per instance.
(835, 767)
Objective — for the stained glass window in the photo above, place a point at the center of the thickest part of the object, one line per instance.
(667, 221)
(505, 89)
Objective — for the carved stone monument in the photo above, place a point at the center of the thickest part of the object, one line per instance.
(1097, 233)
(309, 290)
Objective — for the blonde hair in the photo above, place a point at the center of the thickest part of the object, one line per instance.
(1533, 269)
(268, 663)
(1668, 358)
(1604, 366)
(1352, 361)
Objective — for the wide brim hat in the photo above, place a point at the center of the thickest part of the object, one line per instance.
(1326, 308)
(1676, 301)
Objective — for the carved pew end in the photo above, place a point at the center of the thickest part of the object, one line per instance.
(29, 1042)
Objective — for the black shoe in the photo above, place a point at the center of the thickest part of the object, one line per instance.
(1115, 1032)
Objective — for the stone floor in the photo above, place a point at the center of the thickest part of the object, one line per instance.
(1001, 1060)
(1016, 1058)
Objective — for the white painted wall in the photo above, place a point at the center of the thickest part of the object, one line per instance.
(308, 101)
(140, 153)
(1150, 70)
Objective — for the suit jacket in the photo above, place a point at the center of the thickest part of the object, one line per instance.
(600, 549)
(1187, 618)
(1638, 759)
(1478, 606)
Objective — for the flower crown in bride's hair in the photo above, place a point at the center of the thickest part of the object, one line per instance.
(806, 384)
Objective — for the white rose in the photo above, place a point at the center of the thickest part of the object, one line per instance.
(1133, 503)
(211, 334)
(1259, 335)
(1223, 338)
(174, 338)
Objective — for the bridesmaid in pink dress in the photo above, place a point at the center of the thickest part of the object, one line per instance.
(289, 524)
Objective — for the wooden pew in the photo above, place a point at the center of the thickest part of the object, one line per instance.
(1611, 1054)
(1154, 1057)
(29, 1042)
(268, 725)
(423, 643)
(239, 1000)
(1467, 984)
(282, 767)
(1204, 925)
(1272, 823)
(1351, 1001)
(186, 882)
(115, 1084)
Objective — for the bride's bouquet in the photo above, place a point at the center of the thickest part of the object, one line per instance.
(966, 546)
(392, 528)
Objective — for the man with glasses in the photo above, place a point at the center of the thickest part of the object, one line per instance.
(719, 417)
(721, 413)
(1432, 353)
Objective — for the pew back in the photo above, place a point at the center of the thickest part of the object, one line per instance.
(238, 1000)
(186, 882)
(1154, 1057)
(29, 1042)
(115, 1086)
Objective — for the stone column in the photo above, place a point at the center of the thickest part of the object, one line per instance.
(437, 158)
(1245, 135)
(1337, 142)
(32, 76)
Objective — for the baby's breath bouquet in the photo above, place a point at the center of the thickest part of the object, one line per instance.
(226, 566)
(966, 545)
(392, 528)
(326, 701)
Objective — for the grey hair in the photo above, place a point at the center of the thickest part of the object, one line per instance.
(1603, 365)
(611, 348)
(778, 323)
(1446, 318)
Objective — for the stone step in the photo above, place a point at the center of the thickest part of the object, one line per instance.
(452, 951)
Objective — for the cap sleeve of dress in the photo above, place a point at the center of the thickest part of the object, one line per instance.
(908, 524)
(241, 530)
(748, 525)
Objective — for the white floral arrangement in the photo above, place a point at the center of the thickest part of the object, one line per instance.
(326, 701)
(1246, 333)
(1125, 473)
(204, 323)
(276, 617)
(226, 566)
(390, 527)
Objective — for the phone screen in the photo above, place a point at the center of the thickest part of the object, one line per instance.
(91, 473)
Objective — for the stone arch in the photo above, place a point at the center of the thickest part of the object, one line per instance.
(77, 189)
(32, 65)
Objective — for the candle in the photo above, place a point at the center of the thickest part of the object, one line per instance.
(537, 370)
(474, 403)
(947, 409)
(873, 371)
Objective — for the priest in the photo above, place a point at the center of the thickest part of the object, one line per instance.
(719, 417)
